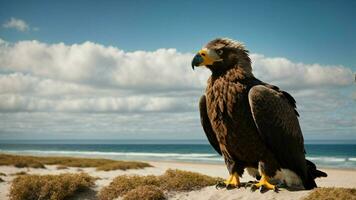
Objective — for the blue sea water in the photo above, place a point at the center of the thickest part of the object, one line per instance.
(324, 155)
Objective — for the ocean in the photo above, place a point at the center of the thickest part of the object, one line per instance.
(323, 154)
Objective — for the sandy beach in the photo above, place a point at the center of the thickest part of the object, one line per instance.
(336, 178)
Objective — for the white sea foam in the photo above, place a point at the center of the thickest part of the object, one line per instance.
(198, 157)
(327, 159)
(128, 154)
(352, 159)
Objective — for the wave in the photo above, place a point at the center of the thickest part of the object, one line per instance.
(352, 159)
(323, 161)
(138, 154)
(327, 159)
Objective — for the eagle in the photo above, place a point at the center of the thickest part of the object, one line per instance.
(252, 124)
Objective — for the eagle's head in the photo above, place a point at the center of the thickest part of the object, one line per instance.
(222, 54)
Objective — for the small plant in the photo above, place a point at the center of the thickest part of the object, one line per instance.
(19, 173)
(332, 194)
(123, 165)
(179, 180)
(51, 187)
(2, 174)
(147, 192)
(171, 180)
(62, 167)
(40, 162)
(123, 184)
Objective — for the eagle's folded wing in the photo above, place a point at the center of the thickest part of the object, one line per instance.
(210, 134)
(276, 119)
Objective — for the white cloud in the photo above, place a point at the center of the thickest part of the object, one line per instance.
(288, 74)
(17, 24)
(164, 69)
(135, 104)
(88, 78)
(92, 77)
(94, 64)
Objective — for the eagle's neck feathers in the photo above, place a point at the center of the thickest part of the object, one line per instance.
(237, 73)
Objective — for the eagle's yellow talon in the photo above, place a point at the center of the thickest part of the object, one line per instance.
(263, 183)
(233, 181)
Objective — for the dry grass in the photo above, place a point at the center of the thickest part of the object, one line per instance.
(62, 167)
(19, 173)
(147, 192)
(332, 194)
(123, 165)
(171, 180)
(39, 162)
(49, 187)
(123, 184)
(178, 180)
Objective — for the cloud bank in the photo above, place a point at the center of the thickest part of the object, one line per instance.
(92, 78)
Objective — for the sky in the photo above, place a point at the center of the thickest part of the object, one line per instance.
(121, 69)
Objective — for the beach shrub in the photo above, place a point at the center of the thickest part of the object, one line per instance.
(179, 180)
(40, 162)
(332, 193)
(147, 192)
(28, 163)
(19, 173)
(171, 180)
(2, 174)
(49, 187)
(124, 183)
(62, 167)
(123, 165)
(2, 180)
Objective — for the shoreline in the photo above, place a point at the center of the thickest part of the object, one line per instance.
(160, 161)
(336, 178)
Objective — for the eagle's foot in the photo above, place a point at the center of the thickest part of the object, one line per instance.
(264, 185)
(249, 184)
(232, 182)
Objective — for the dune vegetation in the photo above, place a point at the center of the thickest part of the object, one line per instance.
(21, 161)
(147, 192)
(19, 173)
(332, 193)
(49, 187)
(172, 180)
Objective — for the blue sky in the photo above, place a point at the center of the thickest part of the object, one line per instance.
(304, 31)
(70, 82)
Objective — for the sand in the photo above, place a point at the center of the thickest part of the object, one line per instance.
(336, 178)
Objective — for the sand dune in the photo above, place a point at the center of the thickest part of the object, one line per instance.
(336, 178)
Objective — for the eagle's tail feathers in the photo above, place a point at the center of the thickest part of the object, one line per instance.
(312, 173)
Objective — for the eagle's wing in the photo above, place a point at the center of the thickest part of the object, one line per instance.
(276, 119)
(205, 122)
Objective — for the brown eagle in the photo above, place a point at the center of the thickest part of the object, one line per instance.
(252, 124)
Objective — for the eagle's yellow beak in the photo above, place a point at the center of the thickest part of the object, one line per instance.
(203, 57)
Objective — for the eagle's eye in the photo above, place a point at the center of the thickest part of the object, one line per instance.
(203, 54)
(219, 52)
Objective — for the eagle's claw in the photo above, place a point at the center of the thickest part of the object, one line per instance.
(230, 187)
(263, 189)
(253, 188)
(220, 185)
(276, 189)
(249, 184)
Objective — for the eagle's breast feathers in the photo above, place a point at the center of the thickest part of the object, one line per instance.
(223, 97)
